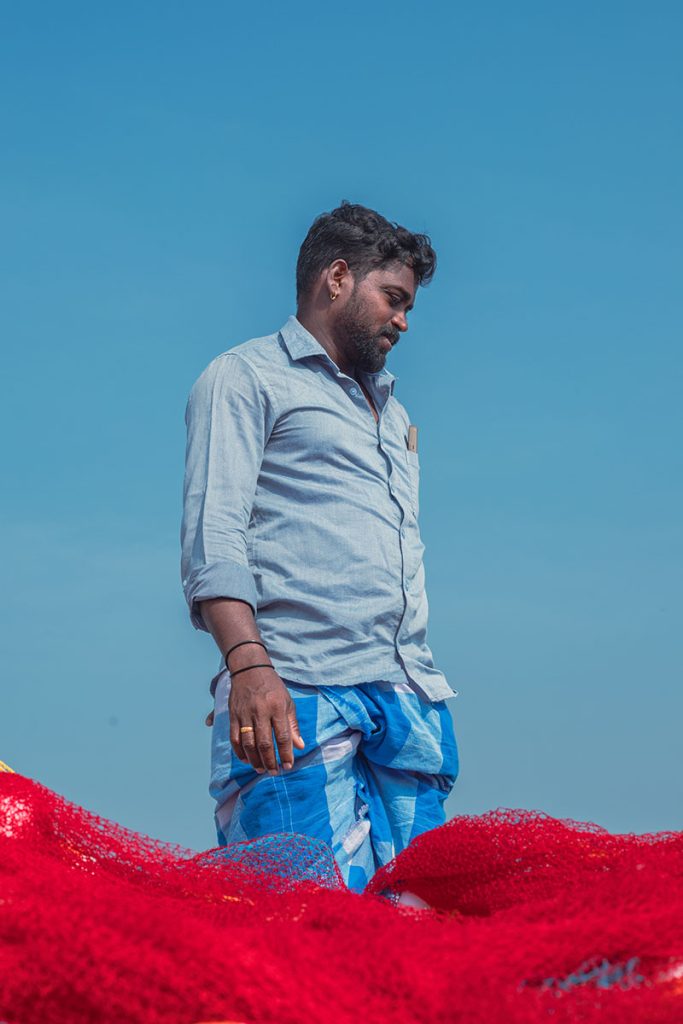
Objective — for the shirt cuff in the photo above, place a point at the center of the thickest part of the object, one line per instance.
(218, 579)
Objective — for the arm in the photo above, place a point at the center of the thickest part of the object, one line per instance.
(229, 417)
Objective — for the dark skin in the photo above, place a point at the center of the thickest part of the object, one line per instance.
(353, 318)
(350, 316)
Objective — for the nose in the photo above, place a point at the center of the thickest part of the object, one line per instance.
(399, 320)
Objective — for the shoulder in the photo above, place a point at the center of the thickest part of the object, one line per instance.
(264, 354)
(255, 363)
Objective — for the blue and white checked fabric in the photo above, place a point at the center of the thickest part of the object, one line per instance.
(378, 764)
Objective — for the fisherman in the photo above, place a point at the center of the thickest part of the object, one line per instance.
(301, 555)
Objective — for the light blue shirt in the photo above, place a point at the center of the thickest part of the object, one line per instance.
(297, 501)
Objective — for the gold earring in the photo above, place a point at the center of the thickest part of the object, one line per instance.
(333, 296)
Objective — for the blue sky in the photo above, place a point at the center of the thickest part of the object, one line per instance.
(161, 165)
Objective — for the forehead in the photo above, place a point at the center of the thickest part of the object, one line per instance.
(397, 274)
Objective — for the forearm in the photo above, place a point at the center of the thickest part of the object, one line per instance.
(230, 622)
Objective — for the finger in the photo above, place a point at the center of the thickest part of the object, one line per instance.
(250, 747)
(236, 736)
(209, 719)
(297, 739)
(236, 745)
(264, 744)
(283, 738)
(236, 740)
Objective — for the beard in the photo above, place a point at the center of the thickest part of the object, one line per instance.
(361, 343)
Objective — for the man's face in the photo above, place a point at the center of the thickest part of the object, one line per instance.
(374, 315)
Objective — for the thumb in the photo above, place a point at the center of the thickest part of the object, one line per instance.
(294, 729)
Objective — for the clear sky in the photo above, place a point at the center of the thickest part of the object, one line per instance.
(160, 166)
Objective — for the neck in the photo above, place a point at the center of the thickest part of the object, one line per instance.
(320, 328)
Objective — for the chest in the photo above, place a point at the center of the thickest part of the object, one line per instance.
(333, 440)
(322, 418)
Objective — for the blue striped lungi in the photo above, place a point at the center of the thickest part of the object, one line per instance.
(378, 764)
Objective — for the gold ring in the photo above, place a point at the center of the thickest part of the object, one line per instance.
(246, 728)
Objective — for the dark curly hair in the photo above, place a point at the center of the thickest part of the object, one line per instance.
(366, 240)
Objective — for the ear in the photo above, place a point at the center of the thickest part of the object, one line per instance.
(338, 277)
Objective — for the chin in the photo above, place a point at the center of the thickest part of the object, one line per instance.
(371, 358)
(375, 367)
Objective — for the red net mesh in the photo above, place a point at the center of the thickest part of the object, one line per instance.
(533, 919)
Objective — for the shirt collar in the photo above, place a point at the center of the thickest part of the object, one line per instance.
(300, 343)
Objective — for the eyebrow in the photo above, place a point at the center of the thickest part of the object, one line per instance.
(404, 294)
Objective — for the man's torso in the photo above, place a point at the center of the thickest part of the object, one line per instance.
(332, 536)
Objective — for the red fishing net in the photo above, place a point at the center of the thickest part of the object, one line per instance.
(533, 919)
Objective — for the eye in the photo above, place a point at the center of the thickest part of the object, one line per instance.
(395, 300)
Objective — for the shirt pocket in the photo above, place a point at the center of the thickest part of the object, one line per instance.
(413, 460)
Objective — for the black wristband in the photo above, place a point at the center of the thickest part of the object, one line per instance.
(233, 674)
(227, 653)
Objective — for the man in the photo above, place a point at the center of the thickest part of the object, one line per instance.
(302, 556)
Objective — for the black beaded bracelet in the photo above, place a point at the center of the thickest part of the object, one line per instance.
(227, 653)
(233, 674)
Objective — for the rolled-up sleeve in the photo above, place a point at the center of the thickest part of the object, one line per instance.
(229, 417)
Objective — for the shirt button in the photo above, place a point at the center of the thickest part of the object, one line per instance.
(353, 391)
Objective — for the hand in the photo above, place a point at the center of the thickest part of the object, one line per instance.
(260, 699)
